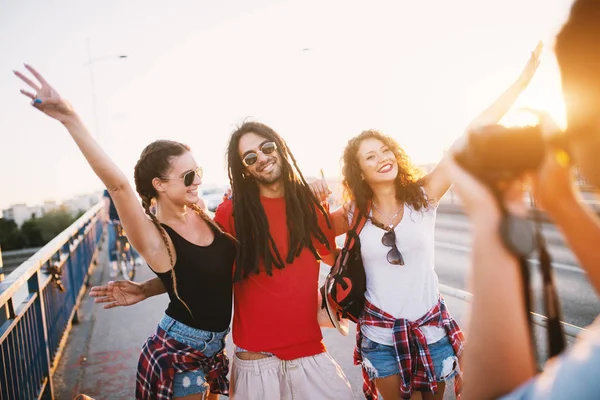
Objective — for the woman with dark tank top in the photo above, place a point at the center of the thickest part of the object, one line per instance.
(181, 244)
(197, 264)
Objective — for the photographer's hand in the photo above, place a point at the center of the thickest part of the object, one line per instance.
(555, 190)
(498, 342)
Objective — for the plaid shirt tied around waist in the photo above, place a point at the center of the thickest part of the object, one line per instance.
(162, 357)
(412, 352)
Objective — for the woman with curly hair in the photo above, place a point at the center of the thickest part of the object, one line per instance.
(407, 343)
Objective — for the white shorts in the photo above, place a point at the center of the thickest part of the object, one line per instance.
(316, 377)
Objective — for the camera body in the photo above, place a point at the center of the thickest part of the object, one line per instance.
(497, 153)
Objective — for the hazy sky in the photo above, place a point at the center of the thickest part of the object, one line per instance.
(417, 70)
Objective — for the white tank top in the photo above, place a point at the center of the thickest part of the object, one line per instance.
(404, 291)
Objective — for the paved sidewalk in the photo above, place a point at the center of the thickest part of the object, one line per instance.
(102, 351)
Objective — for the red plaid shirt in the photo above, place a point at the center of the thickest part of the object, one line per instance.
(416, 367)
(163, 356)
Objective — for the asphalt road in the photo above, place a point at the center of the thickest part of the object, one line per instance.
(580, 303)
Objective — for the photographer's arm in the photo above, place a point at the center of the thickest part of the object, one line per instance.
(498, 355)
(581, 227)
(437, 182)
(498, 342)
(554, 189)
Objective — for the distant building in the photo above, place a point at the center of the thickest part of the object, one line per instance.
(82, 202)
(22, 212)
(49, 206)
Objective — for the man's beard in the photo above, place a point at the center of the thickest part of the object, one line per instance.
(271, 178)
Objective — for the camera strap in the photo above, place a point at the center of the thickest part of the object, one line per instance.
(519, 239)
(509, 233)
(556, 336)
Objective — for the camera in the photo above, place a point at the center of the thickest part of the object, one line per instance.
(497, 153)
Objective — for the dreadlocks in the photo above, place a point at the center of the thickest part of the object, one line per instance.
(251, 225)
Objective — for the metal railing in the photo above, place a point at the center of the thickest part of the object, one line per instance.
(13, 258)
(538, 319)
(33, 332)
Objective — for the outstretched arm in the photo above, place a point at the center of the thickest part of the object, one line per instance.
(126, 293)
(438, 181)
(140, 230)
(494, 113)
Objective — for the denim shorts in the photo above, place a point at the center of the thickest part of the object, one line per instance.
(380, 360)
(209, 343)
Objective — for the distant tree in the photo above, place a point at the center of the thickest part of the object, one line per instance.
(53, 223)
(32, 233)
(11, 237)
(35, 232)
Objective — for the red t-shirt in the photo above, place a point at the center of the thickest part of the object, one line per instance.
(278, 313)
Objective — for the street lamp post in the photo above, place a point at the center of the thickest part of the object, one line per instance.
(90, 63)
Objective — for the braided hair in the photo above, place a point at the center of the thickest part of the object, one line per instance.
(251, 225)
(155, 162)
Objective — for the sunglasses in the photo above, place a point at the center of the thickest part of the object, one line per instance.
(252, 157)
(189, 177)
(393, 256)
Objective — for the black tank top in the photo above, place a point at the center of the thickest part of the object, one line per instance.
(204, 282)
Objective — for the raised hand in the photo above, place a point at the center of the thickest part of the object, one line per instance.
(532, 65)
(320, 189)
(44, 97)
(118, 294)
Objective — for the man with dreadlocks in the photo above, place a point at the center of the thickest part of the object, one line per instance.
(283, 232)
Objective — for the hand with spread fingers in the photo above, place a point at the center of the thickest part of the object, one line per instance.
(118, 294)
(44, 97)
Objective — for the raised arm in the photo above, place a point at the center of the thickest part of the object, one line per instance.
(494, 113)
(140, 230)
(438, 181)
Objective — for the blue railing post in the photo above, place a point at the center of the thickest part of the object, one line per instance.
(33, 284)
(34, 323)
(3, 309)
